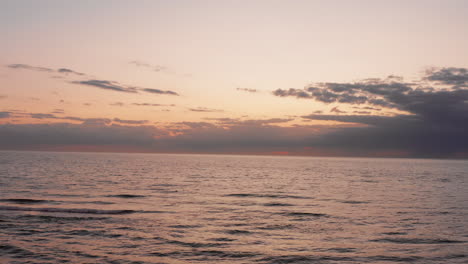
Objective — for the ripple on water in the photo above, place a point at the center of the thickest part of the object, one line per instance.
(126, 196)
(25, 201)
(67, 210)
(403, 240)
(279, 196)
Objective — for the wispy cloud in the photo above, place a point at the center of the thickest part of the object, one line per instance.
(68, 71)
(150, 104)
(249, 122)
(157, 91)
(107, 85)
(58, 111)
(102, 84)
(249, 90)
(44, 69)
(336, 110)
(130, 122)
(156, 68)
(205, 110)
(29, 67)
(117, 104)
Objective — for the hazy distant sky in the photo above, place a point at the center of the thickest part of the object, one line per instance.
(267, 77)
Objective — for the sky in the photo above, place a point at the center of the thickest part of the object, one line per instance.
(320, 78)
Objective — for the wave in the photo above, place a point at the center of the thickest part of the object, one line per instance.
(277, 204)
(191, 244)
(127, 196)
(279, 196)
(237, 232)
(417, 241)
(51, 218)
(305, 214)
(66, 210)
(24, 201)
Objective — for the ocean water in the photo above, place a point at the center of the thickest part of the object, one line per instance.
(157, 208)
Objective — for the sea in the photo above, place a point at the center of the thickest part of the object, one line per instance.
(58, 207)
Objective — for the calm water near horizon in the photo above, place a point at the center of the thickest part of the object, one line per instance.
(161, 208)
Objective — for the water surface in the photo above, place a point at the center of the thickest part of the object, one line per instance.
(158, 208)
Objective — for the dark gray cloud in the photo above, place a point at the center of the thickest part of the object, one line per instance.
(408, 135)
(30, 136)
(249, 90)
(367, 108)
(107, 85)
(196, 137)
(457, 77)
(115, 86)
(436, 123)
(43, 116)
(157, 91)
(203, 137)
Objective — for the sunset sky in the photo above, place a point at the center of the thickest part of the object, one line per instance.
(322, 78)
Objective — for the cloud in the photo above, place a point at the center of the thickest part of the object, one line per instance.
(29, 67)
(405, 134)
(3, 96)
(58, 111)
(32, 136)
(89, 121)
(203, 137)
(4, 114)
(156, 68)
(249, 90)
(336, 110)
(432, 122)
(102, 84)
(435, 125)
(157, 91)
(205, 110)
(117, 104)
(44, 69)
(250, 136)
(458, 77)
(149, 104)
(42, 116)
(249, 122)
(130, 122)
(68, 71)
(107, 85)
